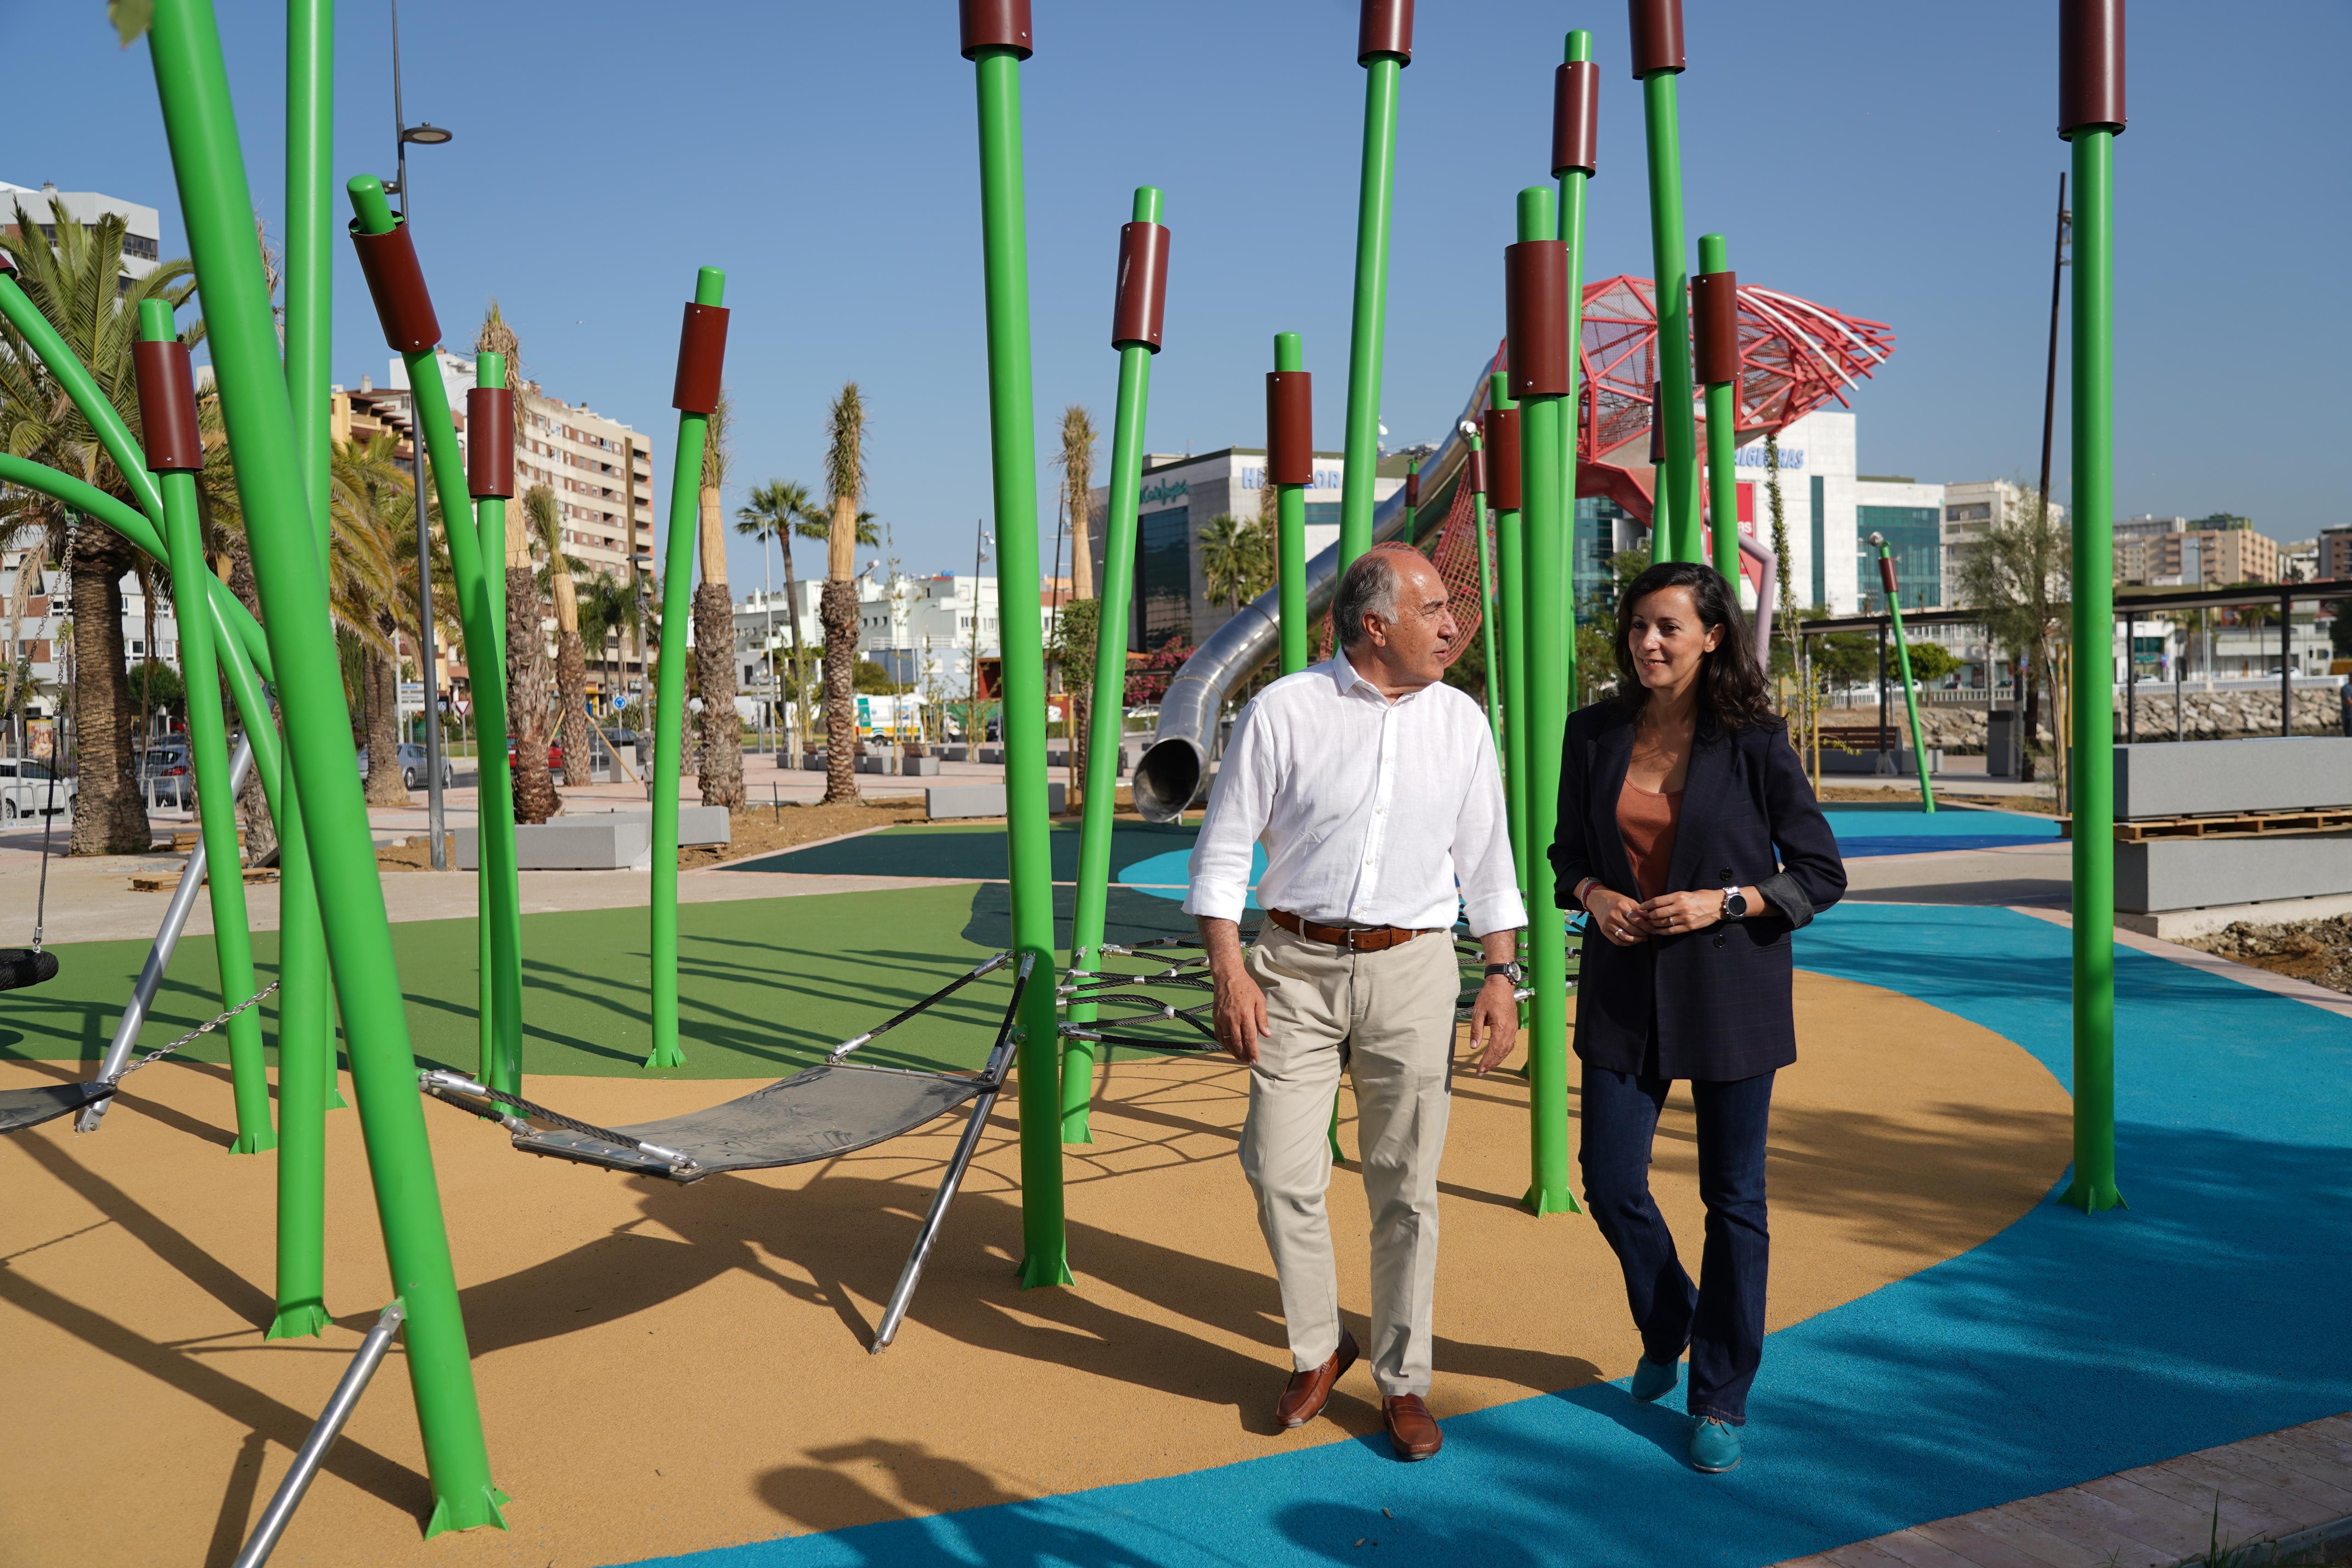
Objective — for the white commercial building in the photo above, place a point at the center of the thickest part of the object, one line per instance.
(918, 628)
(35, 616)
(142, 230)
(1182, 497)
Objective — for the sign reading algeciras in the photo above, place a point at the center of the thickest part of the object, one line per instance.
(1752, 456)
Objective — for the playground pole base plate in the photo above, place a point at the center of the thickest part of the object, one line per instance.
(253, 1142)
(2092, 1197)
(1539, 1203)
(664, 1056)
(459, 1513)
(1053, 1271)
(297, 1319)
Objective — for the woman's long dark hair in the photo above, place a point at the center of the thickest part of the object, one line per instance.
(1731, 694)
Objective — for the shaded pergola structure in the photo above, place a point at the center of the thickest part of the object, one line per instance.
(2131, 606)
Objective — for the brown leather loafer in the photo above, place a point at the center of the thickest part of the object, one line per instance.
(1412, 1430)
(1304, 1396)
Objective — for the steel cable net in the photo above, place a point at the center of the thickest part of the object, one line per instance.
(1456, 555)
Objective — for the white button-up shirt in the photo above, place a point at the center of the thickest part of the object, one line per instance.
(1373, 812)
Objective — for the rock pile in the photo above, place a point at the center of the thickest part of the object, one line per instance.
(2205, 715)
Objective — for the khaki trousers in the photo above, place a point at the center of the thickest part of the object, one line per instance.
(1394, 1011)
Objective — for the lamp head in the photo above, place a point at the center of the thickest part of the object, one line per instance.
(425, 134)
(1877, 540)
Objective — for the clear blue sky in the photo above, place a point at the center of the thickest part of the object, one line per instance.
(1897, 161)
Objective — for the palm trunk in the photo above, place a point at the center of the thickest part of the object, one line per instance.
(721, 772)
(527, 699)
(108, 817)
(839, 609)
(799, 692)
(2031, 675)
(383, 676)
(570, 676)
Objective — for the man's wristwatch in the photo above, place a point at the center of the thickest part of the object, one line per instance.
(1735, 903)
(1510, 971)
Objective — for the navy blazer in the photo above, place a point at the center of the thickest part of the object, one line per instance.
(1720, 998)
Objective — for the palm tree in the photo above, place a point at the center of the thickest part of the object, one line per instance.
(73, 275)
(372, 505)
(845, 479)
(720, 770)
(1078, 465)
(779, 510)
(608, 612)
(529, 682)
(1234, 564)
(546, 521)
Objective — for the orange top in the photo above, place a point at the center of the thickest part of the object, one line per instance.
(1646, 823)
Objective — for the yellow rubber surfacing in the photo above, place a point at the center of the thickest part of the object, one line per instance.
(668, 1369)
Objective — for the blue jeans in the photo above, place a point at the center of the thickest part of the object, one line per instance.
(1722, 1321)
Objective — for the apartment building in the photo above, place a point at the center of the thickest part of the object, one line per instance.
(2209, 558)
(2334, 556)
(142, 227)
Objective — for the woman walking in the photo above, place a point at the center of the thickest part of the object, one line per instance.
(1688, 834)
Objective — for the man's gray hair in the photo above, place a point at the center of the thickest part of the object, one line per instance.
(1369, 587)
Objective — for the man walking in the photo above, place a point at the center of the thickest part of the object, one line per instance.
(1374, 788)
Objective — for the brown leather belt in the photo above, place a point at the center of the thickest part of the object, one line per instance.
(1349, 938)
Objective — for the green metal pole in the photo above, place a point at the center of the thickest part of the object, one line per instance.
(1678, 484)
(1543, 421)
(216, 204)
(1511, 586)
(216, 802)
(306, 1013)
(1290, 529)
(1012, 414)
(1579, 46)
(1367, 336)
(1722, 442)
(501, 942)
(1487, 601)
(240, 644)
(482, 602)
(669, 720)
(1903, 664)
(227, 624)
(1107, 725)
(2094, 773)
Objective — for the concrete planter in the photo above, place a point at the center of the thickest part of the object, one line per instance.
(919, 766)
(946, 802)
(613, 841)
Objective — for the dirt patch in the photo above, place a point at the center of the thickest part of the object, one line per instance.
(413, 854)
(764, 830)
(2319, 951)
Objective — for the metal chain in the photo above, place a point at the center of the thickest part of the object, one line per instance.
(201, 1030)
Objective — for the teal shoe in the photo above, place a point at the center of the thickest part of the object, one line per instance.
(1650, 1380)
(1714, 1446)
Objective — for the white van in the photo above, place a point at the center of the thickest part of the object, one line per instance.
(25, 790)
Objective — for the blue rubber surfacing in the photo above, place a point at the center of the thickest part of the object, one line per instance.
(2068, 1347)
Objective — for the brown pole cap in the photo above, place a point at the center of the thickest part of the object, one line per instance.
(1575, 117)
(1886, 574)
(1714, 318)
(702, 359)
(1535, 301)
(396, 283)
(1657, 424)
(1503, 448)
(1142, 299)
(167, 408)
(1384, 27)
(1476, 469)
(1657, 27)
(2090, 66)
(995, 25)
(1291, 427)
(1411, 488)
(490, 442)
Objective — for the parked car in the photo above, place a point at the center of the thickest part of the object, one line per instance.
(414, 764)
(167, 774)
(25, 790)
(554, 755)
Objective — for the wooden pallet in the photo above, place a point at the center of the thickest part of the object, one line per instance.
(184, 839)
(2230, 825)
(166, 882)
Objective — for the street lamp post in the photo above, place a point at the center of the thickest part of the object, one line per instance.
(424, 135)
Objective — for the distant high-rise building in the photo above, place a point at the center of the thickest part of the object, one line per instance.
(143, 227)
